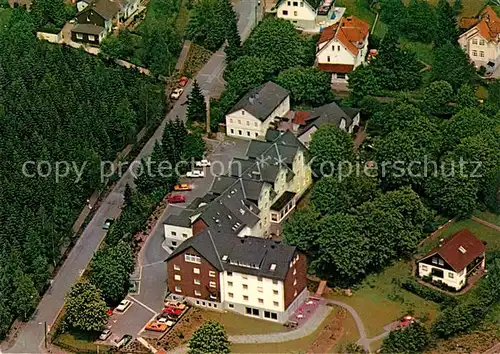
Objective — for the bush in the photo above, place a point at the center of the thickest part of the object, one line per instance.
(426, 293)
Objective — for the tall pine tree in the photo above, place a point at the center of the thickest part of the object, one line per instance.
(447, 27)
(196, 110)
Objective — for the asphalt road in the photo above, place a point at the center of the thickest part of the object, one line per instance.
(30, 337)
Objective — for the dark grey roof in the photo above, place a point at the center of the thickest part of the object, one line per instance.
(195, 204)
(283, 200)
(238, 166)
(330, 113)
(221, 183)
(351, 112)
(262, 101)
(105, 8)
(252, 189)
(219, 218)
(181, 220)
(272, 134)
(88, 29)
(247, 255)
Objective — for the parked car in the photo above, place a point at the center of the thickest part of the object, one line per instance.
(105, 334)
(183, 81)
(172, 311)
(202, 163)
(490, 68)
(183, 187)
(175, 304)
(124, 304)
(124, 341)
(195, 174)
(107, 223)
(156, 326)
(176, 198)
(406, 321)
(166, 321)
(176, 93)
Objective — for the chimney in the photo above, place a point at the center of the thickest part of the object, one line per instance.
(251, 99)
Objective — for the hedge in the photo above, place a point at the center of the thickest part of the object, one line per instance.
(427, 293)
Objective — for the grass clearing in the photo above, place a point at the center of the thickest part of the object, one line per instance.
(238, 324)
(351, 334)
(5, 14)
(424, 51)
(295, 346)
(362, 10)
(470, 7)
(379, 301)
(79, 342)
(492, 237)
(488, 216)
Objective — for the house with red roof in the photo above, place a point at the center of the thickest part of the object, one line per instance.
(342, 47)
(482, 41)
(454, 260)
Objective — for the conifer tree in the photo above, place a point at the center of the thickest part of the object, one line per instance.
(196, 110)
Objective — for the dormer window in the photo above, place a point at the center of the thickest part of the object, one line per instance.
(272, 267)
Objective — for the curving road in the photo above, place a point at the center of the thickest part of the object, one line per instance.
(30, 337)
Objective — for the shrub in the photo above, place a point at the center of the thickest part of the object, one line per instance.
(426, 293)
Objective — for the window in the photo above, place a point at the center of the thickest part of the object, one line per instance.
(328, 58)
(259, 278)
(248, 122)
(242, 113)
(440, 262)
(196, 270)
(424, 267)
(192, 258)
(79, 36)
(434, 260)
(239, 132)
(294, 282)
(232, 131)
(294, 271)
(177, 277)
(173, 233)
(481, 54)
(437, 273)
(255, 312)
(341, 76)
(248, 310)
(275, 292)
(245, 286)
(333, 48)
(209, 304)
(245, 297)
(231, 306)
(295, 293)
(267, 314)
(295, 3)
(229, 283)
(239, 121)
(276, 303)
(197, 293)
(261, 301)
(259, 289)
(211, 274)
(248, 133)
(91, 38)
(338, 48)
(230, 120)
(184, 235)
(197, 302)
(244, 277)
(176, 267)
(274, 316)
(275, 282)
(301, 4)
(212, 284)
(197, 281)
(474, 53)
(474, 41)
(178, 288)
(256, 135)
(481, 42)
(231, 295)
(203, 303)
(229, 274)
(255, 124)
(213, 297)
(174, 243)
(285, 13)
(450, 275)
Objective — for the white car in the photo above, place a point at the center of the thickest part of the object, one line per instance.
(124, 304)
(177, 93)
(202, 163)
(166, 321)
(195, 174)
(105, 334)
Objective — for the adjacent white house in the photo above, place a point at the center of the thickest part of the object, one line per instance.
(256, 111)
(482, 42)
(344, 118)
(300, 12)
(454, 260)
(342, 47)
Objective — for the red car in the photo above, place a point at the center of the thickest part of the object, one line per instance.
(172, 311)
(176, 198)
(183, 81)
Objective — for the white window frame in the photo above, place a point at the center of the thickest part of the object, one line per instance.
(177, 277)
(192, 258)
(212, 274)
(176, 267)
(79, 36)
(196, 281)
(212, 284)
(196, 270)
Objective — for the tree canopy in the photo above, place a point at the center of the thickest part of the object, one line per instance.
(210, 338)
(307, 85)
(85, 308)
(408, 340)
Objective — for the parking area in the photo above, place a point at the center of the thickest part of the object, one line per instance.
(150, 275)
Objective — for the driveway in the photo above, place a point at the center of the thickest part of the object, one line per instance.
(30, 337)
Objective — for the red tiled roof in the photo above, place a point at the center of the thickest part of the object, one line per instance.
(349, 31)
(336, 68)
(451, 253)
(300, 117)
(489, 25)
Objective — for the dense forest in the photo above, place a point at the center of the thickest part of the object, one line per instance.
(56, 104)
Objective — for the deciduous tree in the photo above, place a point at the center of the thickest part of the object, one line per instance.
(409, 340)
(85, 309)
(437, 97)
(453, 65)
(209, 338)
(307, 85)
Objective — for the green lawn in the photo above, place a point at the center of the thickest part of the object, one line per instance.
(492, 237)
(489, 217)
(351, 334)
(470, 7)
(295, 346)
(379, 301)
(238, 324)
(4, 16)
(79, 342)
(424, 51)
(360, 9)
